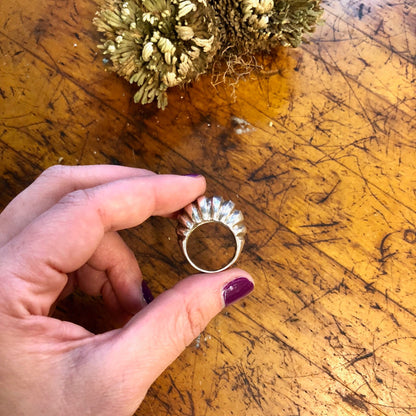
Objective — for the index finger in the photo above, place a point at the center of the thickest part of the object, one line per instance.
(51, 186)
(64, 237)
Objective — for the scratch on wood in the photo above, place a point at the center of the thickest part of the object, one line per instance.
(359, 358)
(353, 401)
(321, 201)
(322, 224)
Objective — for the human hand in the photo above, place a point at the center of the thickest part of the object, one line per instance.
(61, 232)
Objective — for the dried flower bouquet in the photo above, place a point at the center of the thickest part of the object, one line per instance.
(159, 44)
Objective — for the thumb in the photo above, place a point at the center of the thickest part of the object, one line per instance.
(160, 332)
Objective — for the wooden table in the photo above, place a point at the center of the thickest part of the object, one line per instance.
(318, 150)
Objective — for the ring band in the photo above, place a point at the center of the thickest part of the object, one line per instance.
(207, 210)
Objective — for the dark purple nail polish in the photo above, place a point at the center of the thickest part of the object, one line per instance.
(147, 294)
(193, 175)
(236, 289)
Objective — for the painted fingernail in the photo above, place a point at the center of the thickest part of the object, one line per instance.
(147, 294)
(236, 289)
(194, 175)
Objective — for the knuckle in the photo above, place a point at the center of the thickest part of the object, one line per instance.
(85, 199)
(77, 197)
(55, 171)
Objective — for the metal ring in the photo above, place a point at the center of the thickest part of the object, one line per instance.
(207, 210)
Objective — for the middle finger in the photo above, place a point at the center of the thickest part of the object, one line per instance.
(113, 262)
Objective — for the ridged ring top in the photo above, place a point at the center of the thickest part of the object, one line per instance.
(207, 210)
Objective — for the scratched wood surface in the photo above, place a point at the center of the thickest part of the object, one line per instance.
(318, 150)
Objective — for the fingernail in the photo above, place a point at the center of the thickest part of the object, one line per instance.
(147, 294)
(193, 175)
(236, 289)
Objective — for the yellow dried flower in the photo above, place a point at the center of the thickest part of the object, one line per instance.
(158, 44)
(250, 26)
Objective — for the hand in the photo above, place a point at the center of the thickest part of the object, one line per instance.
(61, 232)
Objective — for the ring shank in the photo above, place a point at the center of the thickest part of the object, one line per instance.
(239, 243)
(206, 210)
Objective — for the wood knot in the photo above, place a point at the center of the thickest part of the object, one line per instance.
(409, 236)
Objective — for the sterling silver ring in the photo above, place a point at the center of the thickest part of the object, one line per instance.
(207, 210)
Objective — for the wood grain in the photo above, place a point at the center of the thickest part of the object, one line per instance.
(317, 149)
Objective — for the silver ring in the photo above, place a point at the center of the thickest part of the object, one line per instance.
(207, 210)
